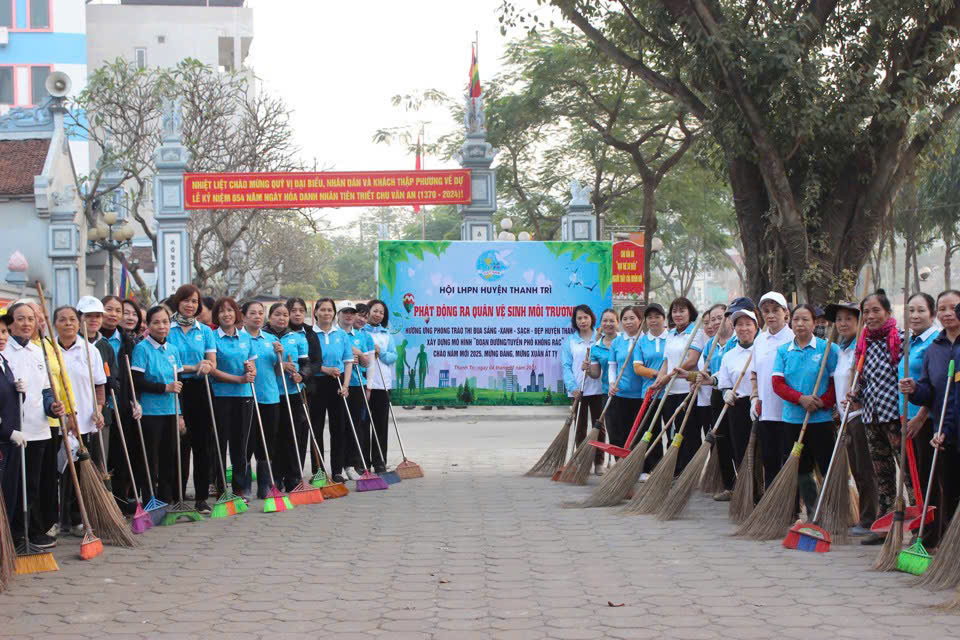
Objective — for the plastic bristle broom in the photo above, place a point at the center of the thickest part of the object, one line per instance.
(306, 494)
(227, 504)
(156, 509)
(368, 481)
(915, 559)
(330, 490)
(390, 477)
(276, 501)
(180, 510)
(319, 480)
(91, 546)
(29, 559)
(406, 470)
(141, 520)
(303, 493)
(223, 507)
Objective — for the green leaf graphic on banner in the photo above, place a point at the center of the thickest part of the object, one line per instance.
(394, 252)
(599, 253)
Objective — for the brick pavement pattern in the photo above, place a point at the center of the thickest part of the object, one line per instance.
(471, 551)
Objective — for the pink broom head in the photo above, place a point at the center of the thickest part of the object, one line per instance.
(806, 536)
(141, 520)
(371, 482)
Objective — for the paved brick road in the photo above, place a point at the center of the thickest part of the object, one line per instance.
(471, 551)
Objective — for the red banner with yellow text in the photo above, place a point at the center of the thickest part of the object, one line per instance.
(627, 269)
(327, 189)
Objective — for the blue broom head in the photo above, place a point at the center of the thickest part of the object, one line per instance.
(390, 477)
(807, 536)
(157, 509)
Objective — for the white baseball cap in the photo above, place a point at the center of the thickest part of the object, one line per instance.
(774, 296)
(743, 312)
(89, 304)
(347, 305)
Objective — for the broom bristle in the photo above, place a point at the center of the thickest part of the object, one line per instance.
(91, 546)
(854, 501)
(319, 480)
(105, 517)
(944, 571)
(655, 489)
(617, 482)
(554, 456)
(8, 553)
(35, 563)
(950, 605)
(410, 470)
(679, 495)
(711, 482)
(835, 507)
(582, 461)
(773, 516)
(335, 490)
(887, 558)
(741, 502)
(306, 494)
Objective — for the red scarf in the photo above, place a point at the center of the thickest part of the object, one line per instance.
(890, 332)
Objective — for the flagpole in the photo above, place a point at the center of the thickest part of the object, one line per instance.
(423, 209)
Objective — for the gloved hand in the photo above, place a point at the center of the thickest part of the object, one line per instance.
(21, 385)
(730, 397)
(17, 438)
(755, 408)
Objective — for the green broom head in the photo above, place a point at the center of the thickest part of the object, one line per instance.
(320, 480)
(180, 511)
(914, 559)
(276, 501)
(224, 507)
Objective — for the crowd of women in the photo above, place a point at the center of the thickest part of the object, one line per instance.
(781, 349)
(175, 368)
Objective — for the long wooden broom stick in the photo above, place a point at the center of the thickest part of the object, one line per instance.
(93, 391)
(772, 517)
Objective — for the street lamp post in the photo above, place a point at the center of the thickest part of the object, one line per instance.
(104, 237)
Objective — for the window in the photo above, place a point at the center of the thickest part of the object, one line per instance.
(6, 85)
(6, 13)
(141, 56)
(226, 50)
(38, 87)
(39, 14)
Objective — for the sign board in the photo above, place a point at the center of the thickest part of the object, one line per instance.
(172, 258)
(627, 269)
(484, 322)
(327, 189)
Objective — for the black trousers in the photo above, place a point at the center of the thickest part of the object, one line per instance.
(738, 425)
(724, 445)
(35, 471)
(380, 407)
(69, 507)
(945, 495)
(817, 449)
(160, 438)
(10, 477)
(121, 482)
(770, 439)
(49, 498)
(235, 423)
(593, 405)
(655, 452)
(289, 451)
(265, 445)
(326, 402)
(196, 415)
(355, 403)
(620, 417)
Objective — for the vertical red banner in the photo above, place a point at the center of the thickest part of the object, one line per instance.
(627, 269)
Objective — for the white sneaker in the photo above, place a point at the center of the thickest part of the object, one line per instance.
(54, 530)
(644, 477)
(352, 473)
(77, 530)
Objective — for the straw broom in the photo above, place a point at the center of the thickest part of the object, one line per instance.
(578, 468)
(944, 571)
(556, 454)
(8, 552)
(104, 514)
(93, 392)
(679, 495)
(615, 485)
(711, 480)
(657, 487)
(741, 502)
(774, 515)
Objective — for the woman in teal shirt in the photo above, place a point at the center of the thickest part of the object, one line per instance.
(233, 399)
(288, 460)
(327, 397)
(628, 392)
(921, 311)
(266, 349)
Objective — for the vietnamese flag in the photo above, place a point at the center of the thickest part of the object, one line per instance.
(474, 75)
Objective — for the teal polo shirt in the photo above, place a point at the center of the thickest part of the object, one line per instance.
(631, 385)
(232, 352)
(266, 382)
(294, 347)
(157, 362)
(799, 368)
(192, 344)
(336, 347)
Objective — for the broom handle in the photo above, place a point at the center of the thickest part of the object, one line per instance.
(311, 438)
(143, 444)
(627, 361)
(376, 438)
(23, 479)
(936, 451)
(123, 443)
(641, 414)
(93, 391)
(696, 386)
(356, 438)
(577, 403)
(216, 434)
(723, 411)
(176, 431)
(836, 445)
(293, 428)
(816, 385)
(393, 416)
(71, 410)
(263, 435)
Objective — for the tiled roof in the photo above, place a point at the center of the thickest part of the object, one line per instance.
(20, 161)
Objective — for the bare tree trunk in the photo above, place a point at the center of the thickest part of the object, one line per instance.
(649, 228)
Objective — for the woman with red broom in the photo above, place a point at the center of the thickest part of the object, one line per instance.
(266, 349)
(90, 399)
(878, 396)
(233, 399)
(579, 385)
(795, 372)
(928, 390)
(680, 363)
(153, 366)
(652, 349)
(197, 349)
(288, 462)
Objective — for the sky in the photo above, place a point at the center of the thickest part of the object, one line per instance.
(337, 65)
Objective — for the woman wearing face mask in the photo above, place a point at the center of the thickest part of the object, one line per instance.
(233, 399)
(680, 362)
(795, 372)
(155, 365)
(266, 349)
(578, 384)
(846, 318)
(196, 347)
(765, 405)
(26, 360)
(288, 463)
(380, 376)
(929, 391)
(738, 416)
(628, 392)
(90, 397)
(327, 398)
(877, 395)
